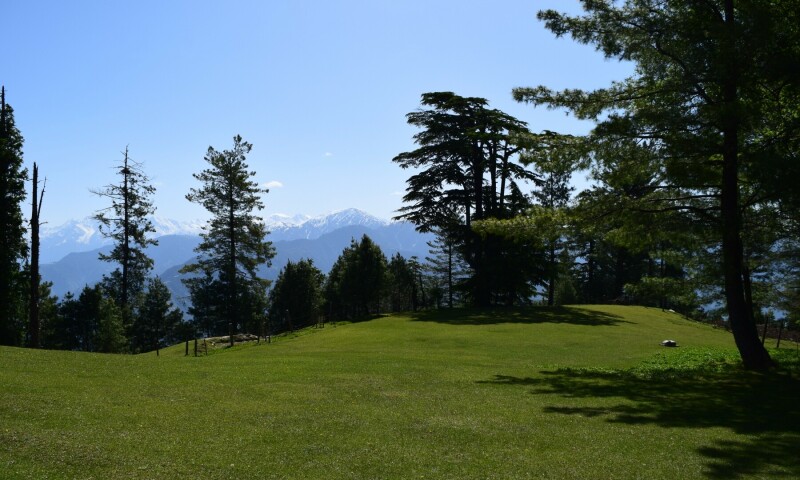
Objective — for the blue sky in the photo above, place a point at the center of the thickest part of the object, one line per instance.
(320, 88)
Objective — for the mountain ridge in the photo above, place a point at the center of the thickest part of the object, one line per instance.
(84, 235)
(320, 239)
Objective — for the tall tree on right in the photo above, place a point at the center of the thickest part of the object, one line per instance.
(234, 244)
(12, 229)
(714, 98)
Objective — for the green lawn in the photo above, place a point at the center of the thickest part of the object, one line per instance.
(542, 393)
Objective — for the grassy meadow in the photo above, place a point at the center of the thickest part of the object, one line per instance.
(573, 392)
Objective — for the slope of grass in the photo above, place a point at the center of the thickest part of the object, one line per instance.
(542, 393)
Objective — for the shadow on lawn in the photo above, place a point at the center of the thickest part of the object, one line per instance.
(763, 409)
(574, 316)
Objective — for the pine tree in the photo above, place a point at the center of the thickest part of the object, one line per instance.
(157, 321)
(126, 222)
(358, 281)
(296, 296)
(233, 245)
(110, 333)
(446, 266)
(13, 248)
(553, 193)
(402, 285)
(208, 302)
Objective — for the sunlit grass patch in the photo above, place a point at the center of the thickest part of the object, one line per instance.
(576, 392)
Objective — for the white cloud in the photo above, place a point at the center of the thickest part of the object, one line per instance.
(272, 184)
(328, 154)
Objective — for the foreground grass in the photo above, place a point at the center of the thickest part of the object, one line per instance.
(542, 393)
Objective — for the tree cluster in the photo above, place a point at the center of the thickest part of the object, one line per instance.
(466, 173)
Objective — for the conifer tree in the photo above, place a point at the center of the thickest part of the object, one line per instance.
(157, 320)
(446, 266)
(233, 245)
(403, 285)
(358, 281)
(296, 296)
(466, 172)
(126, 222)
(553, 194)
(110, 334)
(13, 248)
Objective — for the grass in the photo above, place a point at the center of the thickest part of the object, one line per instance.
(539, 393)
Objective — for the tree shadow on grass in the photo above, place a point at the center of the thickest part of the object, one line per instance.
(762, 409)
(531, 315)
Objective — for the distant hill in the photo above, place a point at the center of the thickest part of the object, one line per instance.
(321, 239)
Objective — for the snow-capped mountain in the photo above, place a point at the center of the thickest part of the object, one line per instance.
(72, 236)
(277, 220)
(314, 227)
(84, 235)
(166, 226)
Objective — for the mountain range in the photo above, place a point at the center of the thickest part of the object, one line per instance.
(70, 252)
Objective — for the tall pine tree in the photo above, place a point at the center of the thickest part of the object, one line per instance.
(234, 244)
(126, 222)
(13, 248)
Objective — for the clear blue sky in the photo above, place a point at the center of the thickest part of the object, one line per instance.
(320, 88)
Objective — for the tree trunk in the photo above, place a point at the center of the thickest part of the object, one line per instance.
(126, 242)
(34, 325)
(754, 355)
(503, 176)
(450, 275)
(232, 307)
(590, 296)
(551, 286)
(619, 273)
